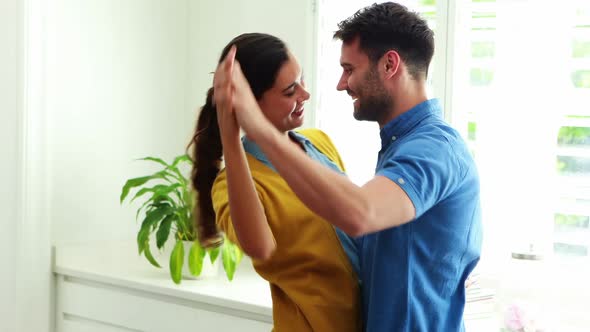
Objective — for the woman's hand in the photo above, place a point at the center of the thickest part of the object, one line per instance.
(223, 95)
(234, 90)
(231, 91)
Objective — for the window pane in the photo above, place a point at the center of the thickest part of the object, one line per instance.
(524, 117)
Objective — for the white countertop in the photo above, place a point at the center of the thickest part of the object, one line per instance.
(118, 264)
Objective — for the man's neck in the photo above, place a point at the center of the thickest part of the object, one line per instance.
(404, 100)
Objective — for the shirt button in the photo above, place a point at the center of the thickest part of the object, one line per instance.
(393, 138)
(401, 181)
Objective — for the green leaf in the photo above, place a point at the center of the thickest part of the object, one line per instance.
(181, 158)
(195, 258)
(176, 261)
(154, 159)
(148, 255)
(142, 239)
(228, 258)
(213, 253)
(159, 190)
(239, 253)
(174, 167)
(132, 183)
(155, 202)
(136, 182)
(157, 214)
(164, 230)
(149, 223)
(231, 258)
(184, 223)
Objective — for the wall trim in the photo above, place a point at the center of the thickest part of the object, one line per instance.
(35, 281)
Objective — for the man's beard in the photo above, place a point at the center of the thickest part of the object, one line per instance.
(373, 100)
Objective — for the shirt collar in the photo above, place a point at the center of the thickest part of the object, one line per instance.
(399, 126)
(253, 148)
(300, 138)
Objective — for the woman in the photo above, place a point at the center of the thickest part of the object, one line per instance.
(313, 283)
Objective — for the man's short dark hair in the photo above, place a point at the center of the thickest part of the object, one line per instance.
(391, 26)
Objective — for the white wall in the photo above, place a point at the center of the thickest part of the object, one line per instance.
(125, 80)
(10, 84)
(86, 87)
(116, 91)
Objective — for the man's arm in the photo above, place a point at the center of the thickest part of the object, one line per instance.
(377, 205)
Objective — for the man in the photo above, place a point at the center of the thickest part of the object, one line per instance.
(417, 222)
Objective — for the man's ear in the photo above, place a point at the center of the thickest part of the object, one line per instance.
(391, 61)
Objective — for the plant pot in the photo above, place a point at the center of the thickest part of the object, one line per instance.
(209, 270)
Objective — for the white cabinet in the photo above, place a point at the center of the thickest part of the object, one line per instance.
(109, 288)
(99, 290)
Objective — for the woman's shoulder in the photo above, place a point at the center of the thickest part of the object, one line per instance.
(314, 134)
(318, 138)
(323, 143)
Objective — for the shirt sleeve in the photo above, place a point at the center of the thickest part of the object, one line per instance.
(426, 168)
(220, 198)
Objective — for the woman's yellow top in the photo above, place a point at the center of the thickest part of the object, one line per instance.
(313, 285)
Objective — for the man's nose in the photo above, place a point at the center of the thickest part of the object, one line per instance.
(342, 84)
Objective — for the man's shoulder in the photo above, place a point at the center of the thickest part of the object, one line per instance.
(439, 138)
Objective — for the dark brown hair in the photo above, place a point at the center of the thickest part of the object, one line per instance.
(260, 56)
(391, 26)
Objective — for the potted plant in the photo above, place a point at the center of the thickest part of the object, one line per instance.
(167, 214)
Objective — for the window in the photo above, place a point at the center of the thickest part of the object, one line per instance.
(519, 100)
(514, 79)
